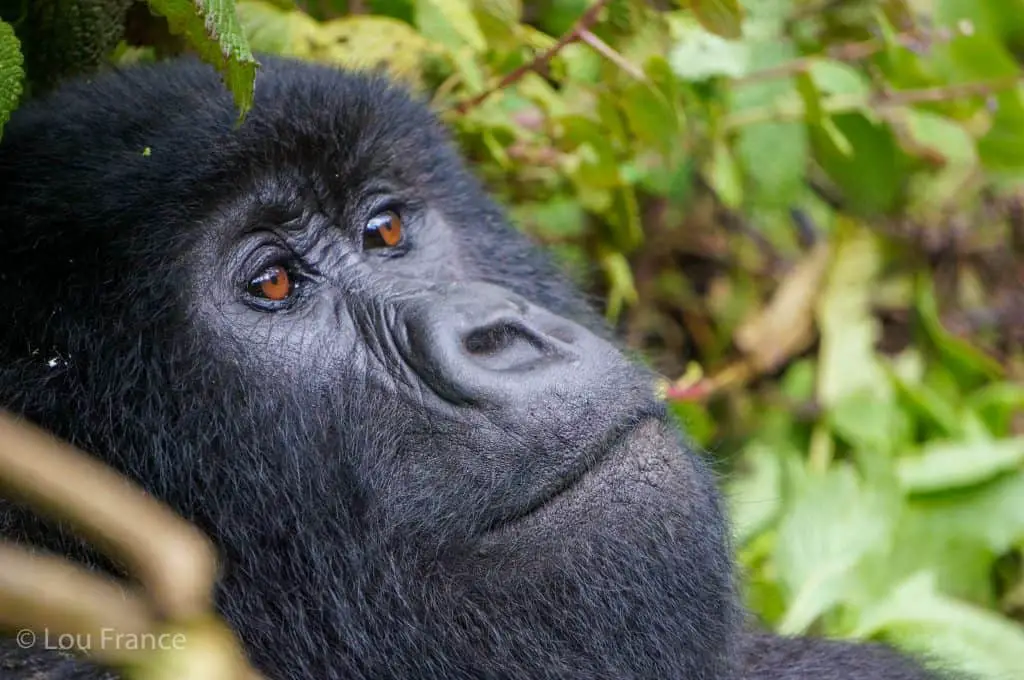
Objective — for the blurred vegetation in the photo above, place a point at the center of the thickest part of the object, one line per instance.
(808, 214)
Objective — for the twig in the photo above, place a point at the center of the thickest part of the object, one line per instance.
(173, 561)
(606, 51)
(586, 20)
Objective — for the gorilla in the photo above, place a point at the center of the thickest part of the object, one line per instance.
(417, 449)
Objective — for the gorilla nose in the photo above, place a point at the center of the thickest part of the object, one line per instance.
(484, 342)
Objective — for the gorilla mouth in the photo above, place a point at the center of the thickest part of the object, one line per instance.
(586, 465)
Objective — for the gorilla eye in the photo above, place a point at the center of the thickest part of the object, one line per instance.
(384, 230)
(273, 283)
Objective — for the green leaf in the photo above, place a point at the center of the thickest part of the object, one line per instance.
(870, 177)
(956, 352)
(944, 144)
(11, 73)
(755, 493)
(774, 156)
(1002, 147)
(870, 424)
(930, 406)
(624, 219)
(724, 175)
(834, 523)
(212, 29)
(276, 30)
(698, 55)
(992, 512)
(695, 419)
(620, 279)
(559, 218)
(815, 114)
(651, 117)
(847, 360)
(919, 617)
(834, 77)
(449, 22)
(950, 465)
(374, 42)
(996, 404)
(962, 562)
(724, 17)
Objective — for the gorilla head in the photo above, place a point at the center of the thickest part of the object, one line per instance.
(316, 337)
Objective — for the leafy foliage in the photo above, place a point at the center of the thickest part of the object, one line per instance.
(811, 211)
(212, 29)
(11, 73)
(65, 38)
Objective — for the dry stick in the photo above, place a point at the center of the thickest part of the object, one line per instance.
(606, 51)
(44, 593)
(171, 558)
(586, 20)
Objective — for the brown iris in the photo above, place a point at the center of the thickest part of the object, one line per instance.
(384, 230)
(273, 283)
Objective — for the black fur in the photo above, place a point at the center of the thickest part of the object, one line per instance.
(387, 502)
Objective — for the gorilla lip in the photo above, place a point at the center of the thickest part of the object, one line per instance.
(590, 463)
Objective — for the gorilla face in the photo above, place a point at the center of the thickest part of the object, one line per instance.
(314, 336)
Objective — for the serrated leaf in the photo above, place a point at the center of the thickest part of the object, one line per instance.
(12, 72)
(723, 17)
(212, 29)
(953, 465)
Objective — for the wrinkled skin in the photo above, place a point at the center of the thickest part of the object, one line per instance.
(428, 460)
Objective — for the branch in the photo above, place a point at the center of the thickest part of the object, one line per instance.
(583, 24)
(606, 51)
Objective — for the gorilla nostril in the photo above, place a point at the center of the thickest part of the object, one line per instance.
(490, 339)
(503, 345)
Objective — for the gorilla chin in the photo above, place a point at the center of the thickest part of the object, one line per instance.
(316, 337)
(643, 467)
